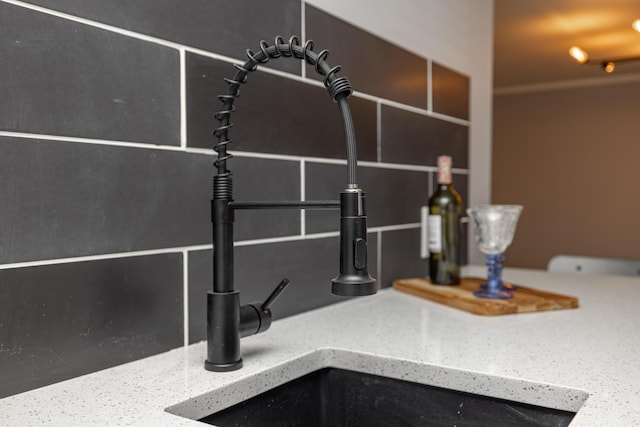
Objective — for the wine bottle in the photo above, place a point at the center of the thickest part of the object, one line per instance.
(445, 207)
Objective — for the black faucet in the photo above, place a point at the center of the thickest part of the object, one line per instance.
(227, 320)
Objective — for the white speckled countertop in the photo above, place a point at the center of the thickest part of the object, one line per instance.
(585, 359)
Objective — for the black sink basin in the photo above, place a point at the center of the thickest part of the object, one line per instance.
(336, 397)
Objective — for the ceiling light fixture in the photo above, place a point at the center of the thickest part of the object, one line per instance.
(607, 64)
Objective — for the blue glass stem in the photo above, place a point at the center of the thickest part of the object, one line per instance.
(494, 289)
(495, 263)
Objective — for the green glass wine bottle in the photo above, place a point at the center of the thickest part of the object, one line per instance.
(445, 207)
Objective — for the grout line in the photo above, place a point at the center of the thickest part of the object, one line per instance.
(286, 239)
(210, 152)
(328, 161)
(183, 99)
(379, 256)
(429, 85)
(185, 295)
(270, 156)
(103, 256)
(412, 109)
(303, 195)
(303, 36)
(406, 167)
(267, 70)
(394, 227)
(183, 249)
(303, 180)
(129, 144)
(205, 151)
(379, 131)
(323, 235)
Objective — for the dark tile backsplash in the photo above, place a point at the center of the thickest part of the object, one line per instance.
(393, 196)
(371, 64)
(224, 27)
(59, 77)
(267, 120)
(64, 320)
(450, 92)
(106, 166)
(310, 265)
(401, 256)
(66, 199)
(413, 138)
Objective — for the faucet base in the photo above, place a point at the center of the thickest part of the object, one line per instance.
(355, 289)
(223, 332)
(222, 367)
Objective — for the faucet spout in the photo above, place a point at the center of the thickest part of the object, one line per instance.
(227, 320)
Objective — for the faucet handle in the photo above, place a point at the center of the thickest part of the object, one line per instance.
(275, 294)
(256, 317)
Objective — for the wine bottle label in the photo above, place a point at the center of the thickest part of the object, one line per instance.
(435, 233)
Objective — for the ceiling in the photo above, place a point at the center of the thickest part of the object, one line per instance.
(532, 39)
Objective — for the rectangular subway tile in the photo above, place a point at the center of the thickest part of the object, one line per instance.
(61, 321)
(61, 77)
(450, 92)
(65, 199)
(274, 114)
(412, 138)
(310, 265)
(227, 28)
(401, 256)
(372, 65)
(265, 180)
(393, 196)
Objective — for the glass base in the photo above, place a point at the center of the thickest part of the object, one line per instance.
(494, 294)
(504, 286)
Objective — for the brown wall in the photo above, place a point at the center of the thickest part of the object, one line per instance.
(572, 158)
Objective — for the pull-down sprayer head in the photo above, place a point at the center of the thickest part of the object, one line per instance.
(354, 278)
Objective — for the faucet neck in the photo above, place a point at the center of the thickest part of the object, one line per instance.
(338, 88)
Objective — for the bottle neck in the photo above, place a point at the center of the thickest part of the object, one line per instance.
(444, 175)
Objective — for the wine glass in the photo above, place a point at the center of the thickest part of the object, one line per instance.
(495, 226)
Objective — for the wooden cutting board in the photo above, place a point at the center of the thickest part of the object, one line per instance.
(525, 300)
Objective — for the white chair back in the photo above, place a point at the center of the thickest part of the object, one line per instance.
(594, 265)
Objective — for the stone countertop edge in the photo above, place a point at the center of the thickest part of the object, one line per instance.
(583, 359)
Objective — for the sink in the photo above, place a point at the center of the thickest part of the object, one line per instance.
(340, 397)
